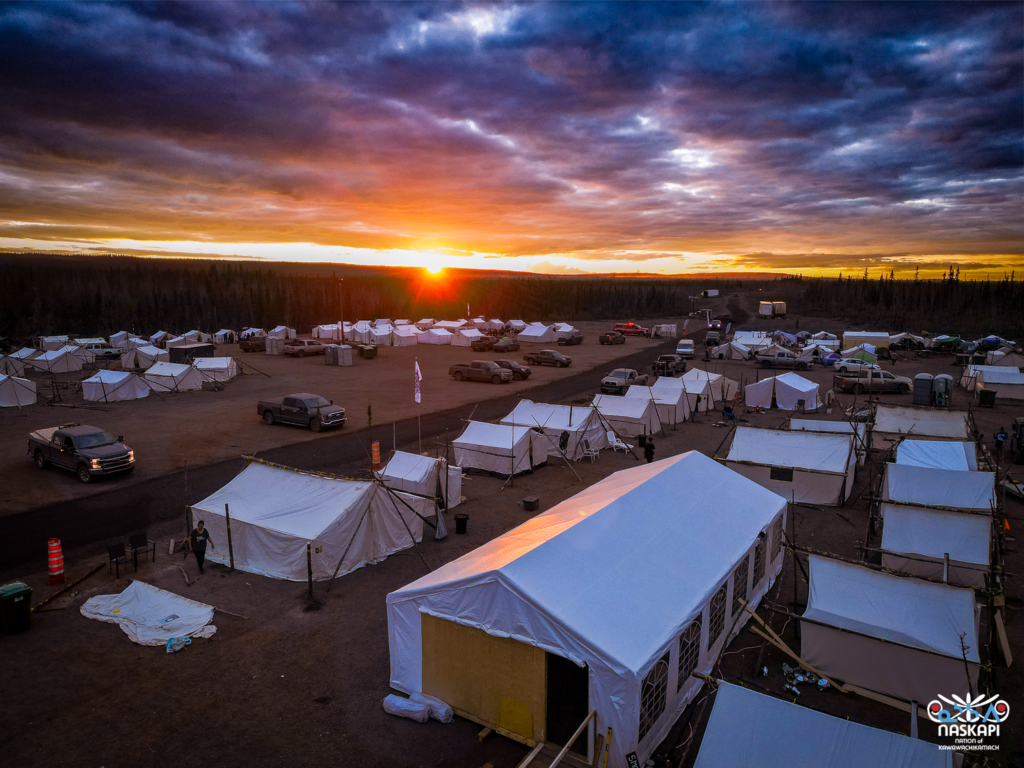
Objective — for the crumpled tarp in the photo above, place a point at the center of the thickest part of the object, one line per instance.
(152, 616)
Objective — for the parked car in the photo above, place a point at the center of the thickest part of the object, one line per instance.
(685, 348)
(506, 345)
(548, 357)
(303, 347)
(303, 409)
(853, 365)
(86, 451)
(631, 329)
(783, 359)
(483, 344)
(612, 337)
(621, 379)
(519, 372)
(480, 370)
(253, 344)
(668, 365)
(570, 339)
(874, 381)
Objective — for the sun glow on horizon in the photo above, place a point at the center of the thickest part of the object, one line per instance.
(434, 269)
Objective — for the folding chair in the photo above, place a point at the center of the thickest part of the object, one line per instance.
(588, 452)
(139, 543)
(118, 557)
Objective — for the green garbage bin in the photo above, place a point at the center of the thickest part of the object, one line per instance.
(15, 607)
(987, 397)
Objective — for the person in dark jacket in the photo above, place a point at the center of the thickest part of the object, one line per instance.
(199, 538)
(649, 450)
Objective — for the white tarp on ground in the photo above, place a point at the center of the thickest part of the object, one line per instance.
(114, 386)
(877, 339)
(938, 454)
(216, 368)
(1006, 382)
(969, 375)
(276, 512)
(174, 377)
(629, 417)
(144, 357)
(581, 422)
(947, 488)
(859, 430)
(537, 333)
(404, 336)
(821, 465)
(672, 404)
(902, 635)
(282, 332)
(424, 476)
(434, 336)
(650, 545)
(151, 616)
(895, 421)
(61, 360)
(929, 535)
(16, 391)
(499, 448)
(12, 366)
(466, 337)
(748, 729)
(791, 391)
(732, 350)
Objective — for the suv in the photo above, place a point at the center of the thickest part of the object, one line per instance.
(548, 357)
(685, 349)
(303, 347)
(483, 344)
(783, 359)
(519, 372)
(570, 339)
(631, 329)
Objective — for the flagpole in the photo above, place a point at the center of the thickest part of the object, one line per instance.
(417, 376)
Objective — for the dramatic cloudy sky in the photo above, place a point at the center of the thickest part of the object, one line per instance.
(654, 137)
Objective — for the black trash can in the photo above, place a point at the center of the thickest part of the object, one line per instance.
(461, 521)
(987, 398)
(15, 607)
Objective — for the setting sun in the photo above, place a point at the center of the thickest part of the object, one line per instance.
(434, 269)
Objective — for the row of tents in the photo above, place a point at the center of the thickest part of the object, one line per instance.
(454, 332)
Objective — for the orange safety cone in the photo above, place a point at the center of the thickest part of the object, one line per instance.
(56, 562)
(375, 455)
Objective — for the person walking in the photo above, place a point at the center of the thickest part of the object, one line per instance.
(1000, 438)
(649, 450)
(199, 538)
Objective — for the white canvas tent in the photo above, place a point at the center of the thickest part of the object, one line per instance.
(144, 357)
(12, 366)
(424, 476)
(810, 467)
(537, 333)
(252, 333)
(216, 368)
(359, 332)
(380, 335)
(748, 729)
(466, 337)
(61, 360)
(114, 386)
(629, 417)
(517, 325)
(715, 389)
(663, 547)
(500, 448)
(791, 391)
(857, 430)
(1005, 357)
(16, 391)
(969, 375)
(225, 336)
(938, 454)
(451, 325)
(173, 377)
(1007, 383)
(894, 635)
(671, 402)
(151, 616)
(918, 541)
(753, 340)
(382, 322)
(125, 340)
(425, 323)
(944, 489)
(53, 343)
(282, 332)
(159, 337)
(581, 422)
(434, 336)
(732, 350)
(893, 422)
(404, 336)
(276, 512)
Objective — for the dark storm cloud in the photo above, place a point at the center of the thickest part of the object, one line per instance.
(645, 128)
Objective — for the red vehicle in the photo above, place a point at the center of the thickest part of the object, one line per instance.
(631, 329)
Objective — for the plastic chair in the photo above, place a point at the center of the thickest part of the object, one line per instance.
(616, 443)
(139, 543)
(588, 452)
(118, 557)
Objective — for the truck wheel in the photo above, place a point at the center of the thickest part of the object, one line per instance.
(517, 376)
(83, 474)
(301, 353)
(560, 364)
(858, 389)
(766, 363)
(268, 418)
(903, 389)
(40, 460)
(315, 425)
(801, 366)
(496, 379)
(459, 376)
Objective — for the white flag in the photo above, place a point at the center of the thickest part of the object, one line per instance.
(467, 310)
(417, 378)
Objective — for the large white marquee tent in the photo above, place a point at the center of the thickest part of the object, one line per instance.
(671, 402)
(500, 448)
(790, 391)
(537, 333)
(583, 423)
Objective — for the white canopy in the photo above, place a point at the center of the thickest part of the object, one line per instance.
(466, 337)
(869, 628)
(629, 416)
(434, 336)
(276, 511)
(404, 336)
(216, 368)
(894, 421)
(581, 422)
(816, 467)
(650, 545)
(151, 616)
(424, 476)
(114, 386)
(929, 535)
(382, 322)
(16, 392)
(173, 377)
(12, 366)
(908, 484)
(938, 454)
(671, 402)
(282, 332)
(62, 360)
(144, 357)
(499, 448)
(1006, 382)
(791, 391)
(747, 728)
(537, 333)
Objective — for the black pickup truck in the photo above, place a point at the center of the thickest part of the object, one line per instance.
(668, 365)
(480, 370)
(86, 451)
(303, 409)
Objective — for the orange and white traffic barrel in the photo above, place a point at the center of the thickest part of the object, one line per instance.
(56, 558)
(375, 454)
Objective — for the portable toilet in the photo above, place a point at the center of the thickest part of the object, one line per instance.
(923, 383)
(942, 389)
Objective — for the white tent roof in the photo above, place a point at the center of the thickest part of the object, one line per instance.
(628, 415)
(174, 377)
(824, 335)
(820, 425)
(12, 366)
(789, 388)
(24, 353)
(938, 454)
(932, 533)
(551, 417)
(1002, 374)
(410, 472)
(61, 360)
(15, 391)
(911, 485)
(434, 336)
(500, 437)
(747, 728)
(537, 333)
(217, 368)
(450, 325)
(405, 330)
(901, 610)
(800, 450)
(113, 386)
(921, 422)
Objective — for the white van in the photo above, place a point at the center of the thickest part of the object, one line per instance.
(685, 349)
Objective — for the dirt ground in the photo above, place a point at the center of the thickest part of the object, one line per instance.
(292, 686)
(166, 429)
